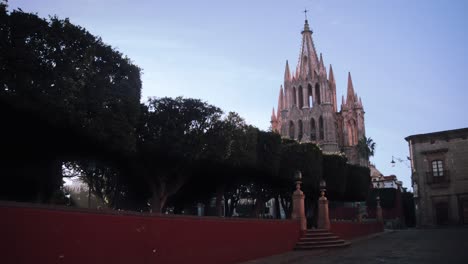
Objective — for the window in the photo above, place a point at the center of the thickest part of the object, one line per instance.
(313, 132)
(299, 137)
(321, 134)
(317, 94)
(437, 168)
(301, 97)
(294, 96)
(309, 96)
(291, 129)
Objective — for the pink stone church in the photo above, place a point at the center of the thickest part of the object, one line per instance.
(307, 109)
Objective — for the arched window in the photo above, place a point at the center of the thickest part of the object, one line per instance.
(317, 94)
(294, 96)
(301, 97)
(291, 129)
(309, 96)
(437, 168)
(313, 130)
(322, 134)
(300, 128)
(352, 133)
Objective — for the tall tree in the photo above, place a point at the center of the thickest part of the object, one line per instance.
(64, 93)
(366, 148)
(172, 136)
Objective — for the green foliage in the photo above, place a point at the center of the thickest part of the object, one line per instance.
(387, 197)
(173, 135)
(63, 94)
(65, 75)
(336, 176)
(305, 157)
(268, 152)
(366, 147)
(358, 183)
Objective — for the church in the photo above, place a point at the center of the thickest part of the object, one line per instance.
(307, 110)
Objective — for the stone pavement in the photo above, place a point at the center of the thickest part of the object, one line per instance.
(418, 246)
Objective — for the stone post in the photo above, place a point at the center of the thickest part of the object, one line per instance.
(298, 212)
(379, 214)
(323, 221)
(359, 213)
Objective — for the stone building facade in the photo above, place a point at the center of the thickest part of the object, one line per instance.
(439, 163)
(307, 109)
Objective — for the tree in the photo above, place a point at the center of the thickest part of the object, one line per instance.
(366, 148)
(172, 137)
(64, 95)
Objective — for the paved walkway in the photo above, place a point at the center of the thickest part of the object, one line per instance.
(438, 246)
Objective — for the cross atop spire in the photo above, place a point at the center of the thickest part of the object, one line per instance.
(305, 13)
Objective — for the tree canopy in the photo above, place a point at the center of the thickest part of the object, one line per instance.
(64, 94)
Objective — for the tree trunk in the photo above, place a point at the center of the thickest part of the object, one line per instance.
(219, 199)
(286, 208)
(258, 209)
(158, 202)
(277, 208)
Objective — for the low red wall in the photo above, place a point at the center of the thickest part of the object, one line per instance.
(352, 230)
(347, 213)
(41, 235)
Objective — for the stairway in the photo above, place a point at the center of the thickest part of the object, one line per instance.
(320, 239)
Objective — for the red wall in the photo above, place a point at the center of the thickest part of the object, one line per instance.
(352, 230)
(347, 213)
(41, 235)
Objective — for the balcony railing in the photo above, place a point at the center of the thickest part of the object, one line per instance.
(440, 177)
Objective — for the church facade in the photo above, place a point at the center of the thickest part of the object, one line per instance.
(307, 108)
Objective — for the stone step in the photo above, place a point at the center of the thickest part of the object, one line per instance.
(317, 243)
(318, 235)
(341, 245)
(319, 238)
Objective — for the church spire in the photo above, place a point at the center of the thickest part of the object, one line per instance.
(350, 98)
(281, 105)
(331, 77)
(308, 59)
(332, 85)
(287, 73)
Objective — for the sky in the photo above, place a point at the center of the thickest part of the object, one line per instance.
(408, 59)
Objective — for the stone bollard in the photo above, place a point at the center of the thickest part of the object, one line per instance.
(359, 213)
(379, 214)
(323, 221)
(298, 212)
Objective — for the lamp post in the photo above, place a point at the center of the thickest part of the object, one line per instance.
(298, 196)
(323, 221)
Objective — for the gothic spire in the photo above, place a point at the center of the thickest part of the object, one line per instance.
(308, 59)
(321, 61)
(287, 73)
(332, 85)
(280, 100)
(273, 116)
(331, 77)
(350, 98)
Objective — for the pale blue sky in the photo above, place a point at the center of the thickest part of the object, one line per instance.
(408, 59)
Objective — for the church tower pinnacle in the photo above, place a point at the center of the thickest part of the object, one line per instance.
(307, 109)
(308, 63)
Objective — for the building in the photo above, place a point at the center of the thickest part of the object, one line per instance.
(379, 181)
(439, 163)
(307, 109)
